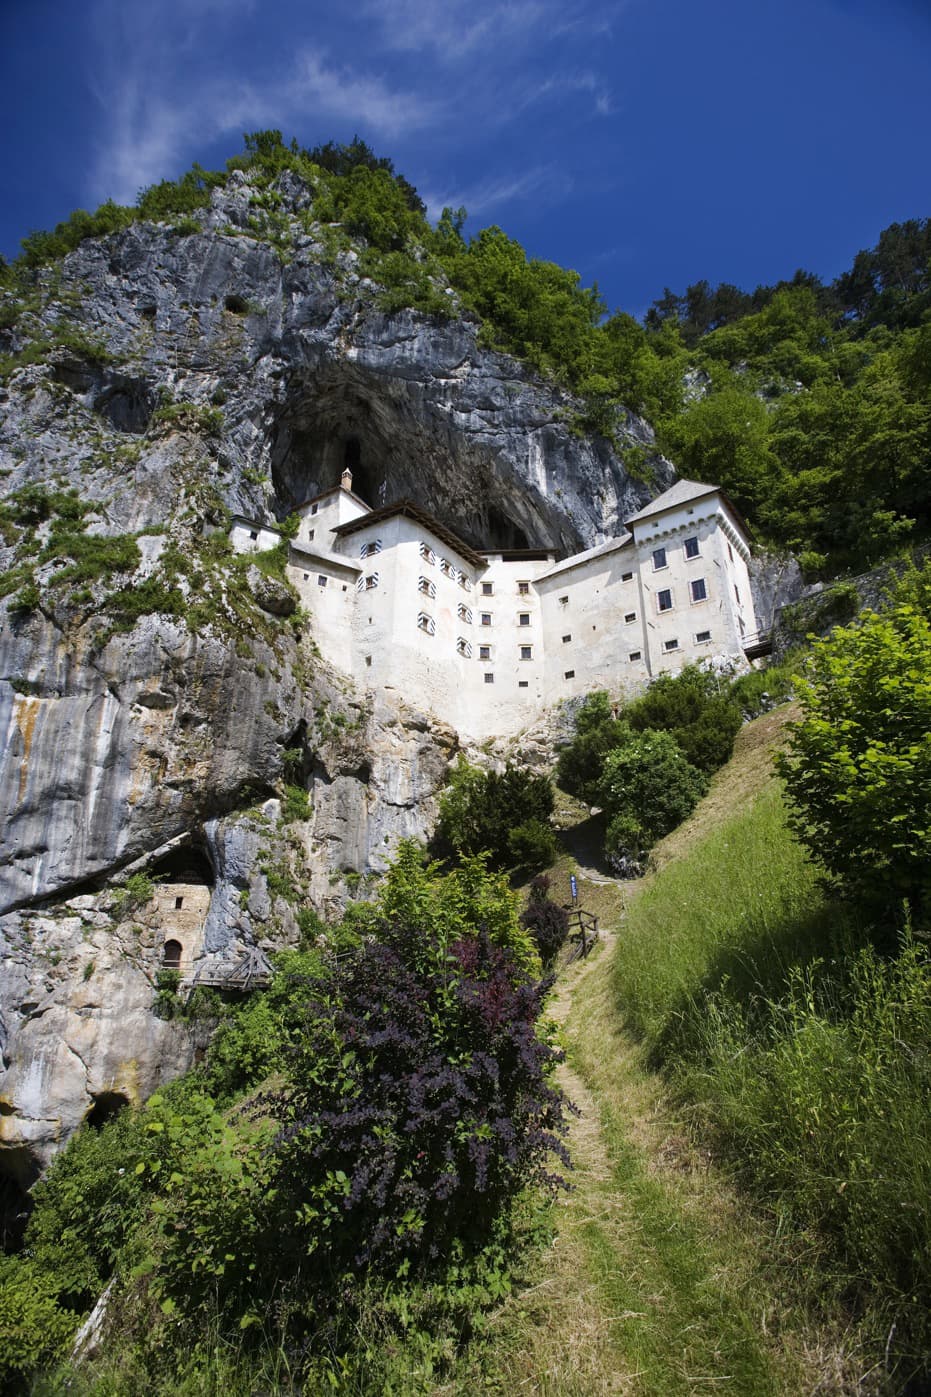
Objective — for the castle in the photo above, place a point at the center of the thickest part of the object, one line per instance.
(487, 639)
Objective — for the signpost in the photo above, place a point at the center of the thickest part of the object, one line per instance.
(574, 889)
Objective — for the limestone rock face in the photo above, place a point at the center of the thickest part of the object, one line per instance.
(160, 698)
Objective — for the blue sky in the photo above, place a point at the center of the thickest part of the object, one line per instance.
(642, 142)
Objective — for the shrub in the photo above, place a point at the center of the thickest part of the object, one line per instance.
(547, 922)
(648, 788)
(858, 765)
(597, 732)
(35, 1328)
(506, 815)
(696, 707)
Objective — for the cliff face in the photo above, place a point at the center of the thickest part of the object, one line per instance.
(156, 695)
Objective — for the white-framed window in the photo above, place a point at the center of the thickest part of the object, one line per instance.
(465, 582)
(569, 674)
(464, 613)
(670, 645)
(526, 652)
(426, 586)
(446, 568)
(692, 548)
(485, 618)
(425, 622)
(464, 648)
(698, 589)
(523, 618)
(488, 589)
(367, 584)
(629, 616)
(659, 559)
(627, 576)
(427, 553)
(523, 589)
(488, 677)
(664, 600)
(484, 652)
(368, 550)
(702, 637)
(321, 579)
(634, 656)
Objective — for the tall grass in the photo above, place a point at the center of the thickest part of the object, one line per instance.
(803, 1050)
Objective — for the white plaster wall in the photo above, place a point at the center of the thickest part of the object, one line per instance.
(327, 589)
(321, 516)
(243, 542)
(590, 603)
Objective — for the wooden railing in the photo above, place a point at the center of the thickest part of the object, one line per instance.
(583, 933)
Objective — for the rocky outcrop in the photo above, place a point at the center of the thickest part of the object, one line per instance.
(157, 694)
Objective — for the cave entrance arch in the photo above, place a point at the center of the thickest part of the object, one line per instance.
(171, 954)
(107, 1104)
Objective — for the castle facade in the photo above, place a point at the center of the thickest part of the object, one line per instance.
(487, 639)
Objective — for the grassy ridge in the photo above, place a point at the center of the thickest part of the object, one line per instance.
(799, 1047)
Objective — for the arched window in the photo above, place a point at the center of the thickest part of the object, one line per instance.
(171, 955)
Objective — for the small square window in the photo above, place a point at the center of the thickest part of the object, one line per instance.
(306, 576)
(702, 637)
(179, 903)
(484, 652)
(659, 559)
(664, 599)
(523, 589)
(253, 533)
(489, 677)
(569, 674)
(629, 616)
(627, 576)
(526, 652)
(322, 580)
(671, 645)
(566, 639)
(691, 548)
(488, 589)
(699, 590)
(523, 684)
(634, 656)
(523, 618)
(563, 601)
(486, 618)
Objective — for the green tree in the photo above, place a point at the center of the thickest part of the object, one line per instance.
(647, 789)
(504, 814)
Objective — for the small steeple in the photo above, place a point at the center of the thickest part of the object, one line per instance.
(345, 479)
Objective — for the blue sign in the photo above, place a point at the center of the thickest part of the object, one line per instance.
(573, 887)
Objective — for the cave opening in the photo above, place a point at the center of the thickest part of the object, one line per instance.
(188, 864)
(107, 1104)
(19, 1170)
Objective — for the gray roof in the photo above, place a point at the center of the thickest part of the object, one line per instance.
(578, 558)
(683, 492)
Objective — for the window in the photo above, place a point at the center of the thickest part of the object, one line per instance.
(486, 618)
(179, 903)
(670, 645)
(464, 613)
(488, 589)
(523, 684)
(629, 616)
(463, 647)
(427, 553)
(321, 580)
(699, 590)
(368, 661)
(426, 623)
(253, 533)
(736, 594)
(523, 618)
(484, 652)
(369, 549)
(664, 599)
(313, 509)
(489, 677)
(627, 576)
(563, 601)
(310, 535)
(730, 552)
(659, 559)
(702, 637)
(526, 652)
(367, 584)
(523, 589)
(692, 549)
(446, 568)
(426, 586)
(465, 582)
(634, 656)
(569, 674)
(566, 639)
(306, 576)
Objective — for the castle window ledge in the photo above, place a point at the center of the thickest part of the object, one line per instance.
(426, 623)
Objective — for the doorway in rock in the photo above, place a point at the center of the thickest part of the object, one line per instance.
(171, 955)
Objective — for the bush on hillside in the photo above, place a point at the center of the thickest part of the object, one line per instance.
(647, 789)
(504, 814)
(597, 732)
(547, 922)
(696, 706)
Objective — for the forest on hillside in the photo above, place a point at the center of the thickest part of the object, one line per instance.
(808, 402)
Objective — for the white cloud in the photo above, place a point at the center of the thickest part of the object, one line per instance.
(545, 183)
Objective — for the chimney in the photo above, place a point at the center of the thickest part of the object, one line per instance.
(345, 479)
